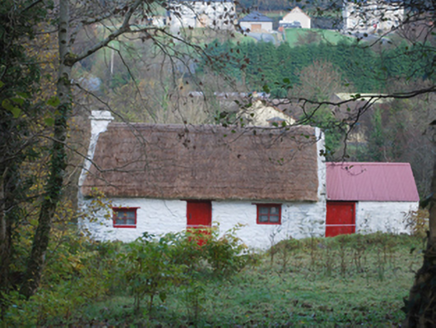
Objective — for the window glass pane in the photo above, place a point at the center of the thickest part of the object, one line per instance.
(274, 210)
(124, 217)
(131, 214)
(274, 218)
(263, 218)
(263, 210)
(119, 221)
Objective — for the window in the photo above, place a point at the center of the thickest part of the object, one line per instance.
(269, 213)
(124, 217)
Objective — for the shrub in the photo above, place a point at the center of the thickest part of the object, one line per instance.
(149, 267)
(227, 254)
(417, 221)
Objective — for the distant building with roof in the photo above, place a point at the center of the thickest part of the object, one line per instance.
(215, 14)
(370, 16)
(256, 22)
(261, 113)
(297, 18)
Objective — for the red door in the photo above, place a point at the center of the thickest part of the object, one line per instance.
(199, 217)
(341, 218)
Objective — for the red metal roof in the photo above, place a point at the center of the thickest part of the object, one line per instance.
(350, 181)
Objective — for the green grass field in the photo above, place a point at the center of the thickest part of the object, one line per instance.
(345, 281)
(293, 36)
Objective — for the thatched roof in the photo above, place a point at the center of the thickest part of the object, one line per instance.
(205, 162)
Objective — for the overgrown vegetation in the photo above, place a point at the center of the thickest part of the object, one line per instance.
(170, 281)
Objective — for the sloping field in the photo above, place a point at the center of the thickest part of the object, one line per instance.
(294, 36)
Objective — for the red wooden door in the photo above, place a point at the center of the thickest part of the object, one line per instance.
(341, 218)
(199, 218)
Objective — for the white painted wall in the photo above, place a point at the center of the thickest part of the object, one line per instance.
(156, 216)
(383, 216)
(100, 120)
(297, 15)
(322, 170)
(299, 220)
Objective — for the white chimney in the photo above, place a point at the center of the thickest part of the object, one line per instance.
(100, 120)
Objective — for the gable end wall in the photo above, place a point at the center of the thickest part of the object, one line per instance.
(389, 217)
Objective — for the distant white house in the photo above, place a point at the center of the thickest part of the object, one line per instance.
(256, 22)
(369, 16)
(215, 14)
(264, 114)
(159, 21)
(296, 18)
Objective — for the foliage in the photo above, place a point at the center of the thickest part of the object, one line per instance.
(77, 272)
(149, 268)
(398, 131)
(227, 254)
(308, 291)
(418, 222)
(19, 79)
(262, 63)
(152, 265)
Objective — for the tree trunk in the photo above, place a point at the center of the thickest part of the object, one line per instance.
(420, 308)
(54, 186)
(9, 200)
(5, 244)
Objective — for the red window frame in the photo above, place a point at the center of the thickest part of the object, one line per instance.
(269, 214)
(123, 209)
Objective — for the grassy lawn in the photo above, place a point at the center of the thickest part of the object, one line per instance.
(343, 281)
(293, 36)
(201, 36)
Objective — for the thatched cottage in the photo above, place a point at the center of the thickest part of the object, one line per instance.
(166, 178)
(272, 181)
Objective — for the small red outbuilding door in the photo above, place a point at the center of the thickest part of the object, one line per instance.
(199, 215)
(341, 218)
